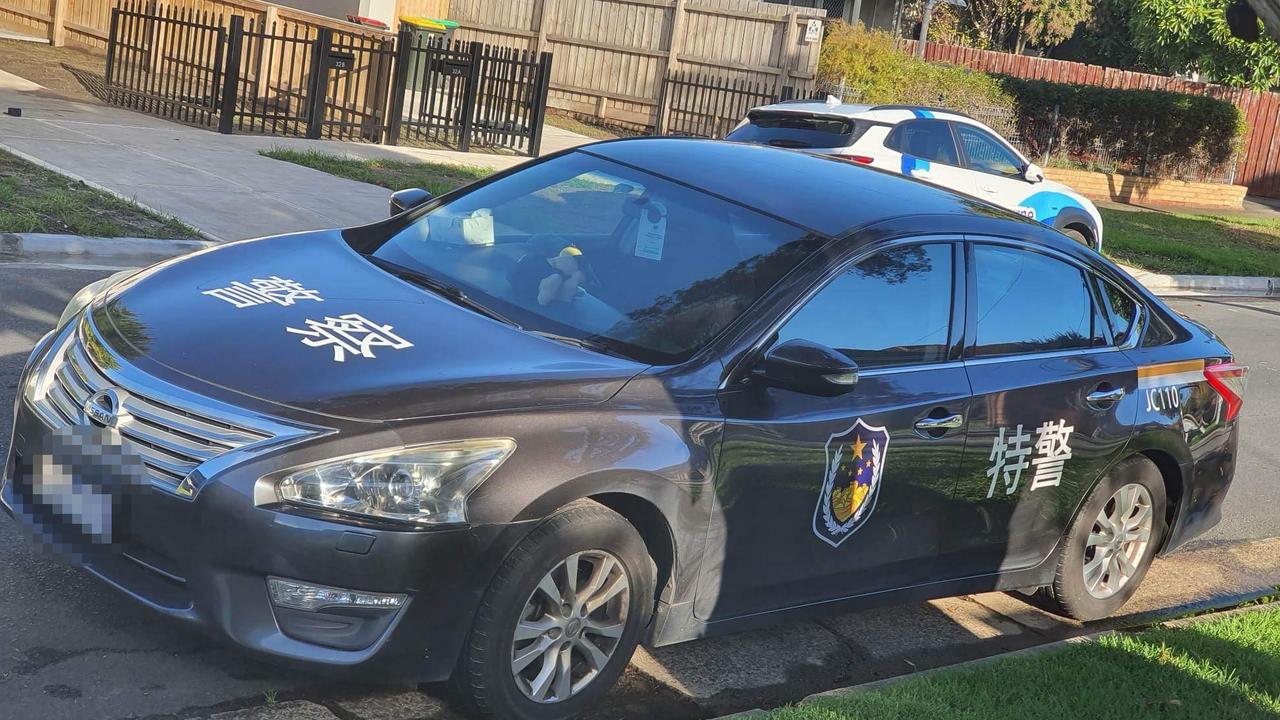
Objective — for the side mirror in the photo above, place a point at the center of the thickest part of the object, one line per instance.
(409, 199)
(808, 367)
(1032, 173)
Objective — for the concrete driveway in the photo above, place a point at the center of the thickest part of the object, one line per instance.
(72, 648)
(203, 177)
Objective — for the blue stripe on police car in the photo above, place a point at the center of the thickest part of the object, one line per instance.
(1046, 205)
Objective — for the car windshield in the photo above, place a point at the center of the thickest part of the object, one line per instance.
(796, 130)
(597, 252)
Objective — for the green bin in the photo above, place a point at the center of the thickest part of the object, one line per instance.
(424, 30)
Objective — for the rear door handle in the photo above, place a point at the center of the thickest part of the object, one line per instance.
(1103, 399)
(950, 422)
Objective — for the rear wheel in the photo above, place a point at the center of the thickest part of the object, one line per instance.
(561, 619)
(1111, 543)
(1077, 236)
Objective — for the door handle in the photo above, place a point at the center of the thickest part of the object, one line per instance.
(1101, 399)
(950, 422)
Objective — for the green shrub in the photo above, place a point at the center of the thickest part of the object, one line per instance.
(1155, 131)
(873, 71)
(1151, 131)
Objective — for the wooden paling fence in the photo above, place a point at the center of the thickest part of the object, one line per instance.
(698, 105)
(1259, 162)
(613, 57)
(243, 76)
(86, 23)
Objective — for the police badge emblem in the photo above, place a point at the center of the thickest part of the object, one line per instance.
(855, 462)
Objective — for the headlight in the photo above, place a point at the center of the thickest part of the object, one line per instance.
(426, 484)
(81, 299)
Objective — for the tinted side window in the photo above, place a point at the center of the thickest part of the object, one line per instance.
(1028, 302)
(1121, 311)
(987, 154)
(1158, 333)
(927, 139)
(893, 308)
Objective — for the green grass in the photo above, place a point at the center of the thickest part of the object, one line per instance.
(36, 200)
(568, 122)
(1170, 242)
(1223, 668)
(437, 178)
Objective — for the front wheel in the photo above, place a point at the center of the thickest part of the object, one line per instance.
(561, 618)
(1112, 542)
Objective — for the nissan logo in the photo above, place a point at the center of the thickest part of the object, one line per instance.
(106, 408)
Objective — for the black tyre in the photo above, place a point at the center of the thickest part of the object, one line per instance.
(1111, 543)
(561, 618)
(1077, 236)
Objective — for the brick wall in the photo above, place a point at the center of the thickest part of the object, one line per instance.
(1149, 191)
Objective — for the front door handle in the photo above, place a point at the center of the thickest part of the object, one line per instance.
(950, 422)
(1103, 399)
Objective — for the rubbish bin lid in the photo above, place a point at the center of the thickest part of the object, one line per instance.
(423, 23)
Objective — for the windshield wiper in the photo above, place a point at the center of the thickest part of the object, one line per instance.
(583, 343)
(445, 290)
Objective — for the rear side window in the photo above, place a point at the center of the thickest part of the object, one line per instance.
(893, 308)
(1026, 302)
(1157, 333)
(1121, 311)
(797, 130)
(925, 139)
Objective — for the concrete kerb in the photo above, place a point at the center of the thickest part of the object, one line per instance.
(96, 186)
(1234, 609)
(1191, 285)
(26, 245)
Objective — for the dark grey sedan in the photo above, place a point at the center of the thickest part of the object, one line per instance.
(642, 391)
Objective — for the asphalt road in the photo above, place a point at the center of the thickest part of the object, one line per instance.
(1251, 328)
(72, 648)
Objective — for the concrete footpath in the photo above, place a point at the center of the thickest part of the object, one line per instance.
(216, 183)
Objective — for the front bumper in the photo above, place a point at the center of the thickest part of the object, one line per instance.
(205, 561)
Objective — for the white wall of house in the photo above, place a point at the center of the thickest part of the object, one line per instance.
(384, 10)
(875, 14)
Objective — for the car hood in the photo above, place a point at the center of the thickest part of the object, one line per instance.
(429, 357)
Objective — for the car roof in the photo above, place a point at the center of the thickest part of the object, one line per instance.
(891, 114)
(824, 194)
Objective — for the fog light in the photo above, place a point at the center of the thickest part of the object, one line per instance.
(305, 596)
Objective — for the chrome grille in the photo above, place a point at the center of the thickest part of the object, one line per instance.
(171, 441)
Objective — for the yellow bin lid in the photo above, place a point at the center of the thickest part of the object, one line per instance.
(423, 23)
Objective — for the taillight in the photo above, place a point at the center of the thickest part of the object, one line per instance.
(860, 159)
(1228, 379)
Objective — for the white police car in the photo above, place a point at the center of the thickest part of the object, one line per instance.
(944, 147)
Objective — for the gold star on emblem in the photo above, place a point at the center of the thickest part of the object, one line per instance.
(858, 446)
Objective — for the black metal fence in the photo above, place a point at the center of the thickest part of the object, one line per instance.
(166, 61)
(700, 105)
(468, 93)
(318, 82)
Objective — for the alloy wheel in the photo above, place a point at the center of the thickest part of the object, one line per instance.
(570, 626)
(1118, 541)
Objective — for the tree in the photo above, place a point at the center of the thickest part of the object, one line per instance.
(1045, 23)
(1192, 36)
(1014, 25)
(1106, 39)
